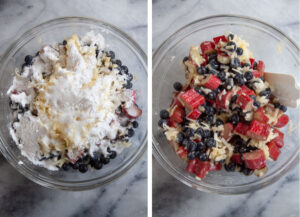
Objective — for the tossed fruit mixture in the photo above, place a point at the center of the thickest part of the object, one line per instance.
(225, 113)
(73, 105)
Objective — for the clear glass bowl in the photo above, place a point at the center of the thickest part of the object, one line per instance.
(167, 69)
(52, 32)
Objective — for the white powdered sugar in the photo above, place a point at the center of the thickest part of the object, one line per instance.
(75, 95)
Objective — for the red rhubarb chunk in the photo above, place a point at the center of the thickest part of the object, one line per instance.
(279, 140)
(220, 38)
(245, 90)
(255, 159)
(282, 121)
(205, 58)
(215, 167)
(194, 115)
(257, 74)
(274, 151)
(245, 102)
(182, 152)
(251, 62)
(227, 133)
(177, 114)
(261, 66)
(223, 99)
(259, 131)
(211, 82)
(175, 100)
(259, 115)
(172, 123)
(241, 128)
(207, 47)
(132, 112)
(191, 99)
(198, 167)
(237, 158)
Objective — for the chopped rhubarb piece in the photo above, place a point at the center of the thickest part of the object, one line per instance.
(274, 151)
(227, 133)
(259, 131)
(259, 115)
(194, 115)
(260, 66)
(198, 167)
(251, 62)
(241, 128)
(132, 112)
(220, 38)
(195, 56)
(223, 58)
(190, 168)
(215, 167)
(205, 58)
(172, 123)
(245, 90)
(279, 140)
(211, 82)
(223, 99)
(191, 99)
(175, 100)
(257, 74)
(207, 47)
(282, 121)
(182, 152)
(177, 114)
(245, 102)
(237, 158)
(255, 159)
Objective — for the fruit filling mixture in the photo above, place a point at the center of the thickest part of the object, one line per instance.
(225, 114)
(73, 105)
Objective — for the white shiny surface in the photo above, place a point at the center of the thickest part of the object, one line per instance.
(171, 197)
(125, 197)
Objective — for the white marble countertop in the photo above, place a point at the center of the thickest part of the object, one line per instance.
(21, 197)
(171, 197)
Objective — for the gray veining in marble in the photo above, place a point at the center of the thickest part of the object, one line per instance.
(125, 197)
(171, 197)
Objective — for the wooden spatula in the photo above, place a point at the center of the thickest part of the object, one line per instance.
(285, 88)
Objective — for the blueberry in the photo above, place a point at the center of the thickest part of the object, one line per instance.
(230, 167)
(235, 63)
(212, 56)
(180, 137)
(203, 157)
(110, 54)
(135, 124)
(249, 85)
(210, 142)
(185, 59)
(219, 122)
(199, 131)
(128, 85)
(124, 69)
(264, 93)
(177, 86)
(283, 108)
(238, 79)
(231, 46)
(185, 142)
(129, 77)
(66, 166)
(130, 132)
(214, 64)
(239, 51)
(105, 160)
(254, 65)
(64, 42)
(75, 166)
(247, 171)
(230, 36)
(276, 105)
(256, 104)
(164, 114)
(191, 156)
(209, 110)
(222, 76)
(206, 134)
(246, 65)
(234, 119)
(201, 146)
(212, 95)
(28, 60)
(113, 154)
(83, 168)
(229, 83)
(233, 99)
(243, 149)
(201, 70)
(248, 75)
(118, 62)
(97, 165)
(209, 118)
(192, 146)
(189, 132)
(198, 90)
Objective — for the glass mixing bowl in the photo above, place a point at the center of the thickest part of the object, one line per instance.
(52, 32)
(264, 39)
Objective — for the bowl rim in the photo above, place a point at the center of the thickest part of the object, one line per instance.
(120, 171)
(239, 189)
